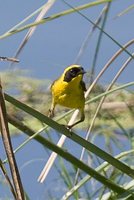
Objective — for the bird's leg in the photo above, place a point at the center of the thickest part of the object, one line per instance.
(77, 122)
(51, 111)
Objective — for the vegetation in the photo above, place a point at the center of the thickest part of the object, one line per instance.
(96, 171)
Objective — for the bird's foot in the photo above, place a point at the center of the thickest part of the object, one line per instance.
(50, 113)
(69, 128)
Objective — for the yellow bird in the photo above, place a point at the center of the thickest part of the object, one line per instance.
(68, 90)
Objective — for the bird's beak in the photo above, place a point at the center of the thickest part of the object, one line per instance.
(82, 71)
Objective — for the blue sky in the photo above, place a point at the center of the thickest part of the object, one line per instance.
(55, 44)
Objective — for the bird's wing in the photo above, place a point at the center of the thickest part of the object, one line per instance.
(53, 83)
(83, 85)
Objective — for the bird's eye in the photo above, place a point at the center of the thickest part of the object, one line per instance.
(71, 70)
(74, 71)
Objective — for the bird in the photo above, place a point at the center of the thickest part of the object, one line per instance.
(68, 91)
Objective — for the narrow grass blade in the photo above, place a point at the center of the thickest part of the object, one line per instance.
(85, 6)
(30, 32)
(104, 166)
(125, 11)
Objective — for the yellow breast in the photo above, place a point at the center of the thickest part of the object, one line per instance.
(68, 94)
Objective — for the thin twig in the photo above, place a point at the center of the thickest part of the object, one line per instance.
(9, 150)
(3, 58)
(7, 179)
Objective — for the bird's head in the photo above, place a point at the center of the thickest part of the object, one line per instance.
(73, 72)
